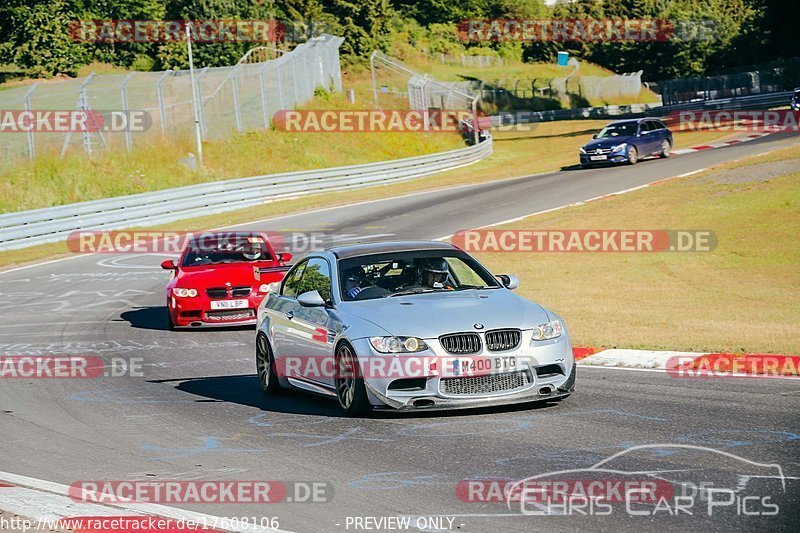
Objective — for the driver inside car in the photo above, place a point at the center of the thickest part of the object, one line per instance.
(355, 281)
(434, 274)
(252, 252)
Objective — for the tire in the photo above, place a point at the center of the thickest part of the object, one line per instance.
(350, 390)
(666, 148)
(633, 155)
(265, 367)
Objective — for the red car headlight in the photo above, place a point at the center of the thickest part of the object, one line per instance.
(180, 292)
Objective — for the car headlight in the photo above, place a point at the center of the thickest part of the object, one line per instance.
(583, 151)
(397, 344)
(184, 293)
(265, 287)
(619, 148)
(548, 330)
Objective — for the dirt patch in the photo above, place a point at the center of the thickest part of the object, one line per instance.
(753, 173)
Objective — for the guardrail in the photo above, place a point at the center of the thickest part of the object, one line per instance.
(52, 224)
(759, 101)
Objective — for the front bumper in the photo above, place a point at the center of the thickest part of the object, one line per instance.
(196, 312)
(621, 157)
(549, 374)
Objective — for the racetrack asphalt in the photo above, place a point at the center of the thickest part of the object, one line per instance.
(198, 413)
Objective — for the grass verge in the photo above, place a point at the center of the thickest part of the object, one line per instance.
(742, 297)
(548, 146)
(156, 164)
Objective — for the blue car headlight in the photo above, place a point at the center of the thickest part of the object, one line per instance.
(548, 330)
(619, 148)
(398, 344)
(583, 151)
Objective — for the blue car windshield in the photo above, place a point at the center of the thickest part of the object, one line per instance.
(623, 129)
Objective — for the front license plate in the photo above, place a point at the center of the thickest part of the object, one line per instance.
(479, 366)
(229, 304)
(598, 157)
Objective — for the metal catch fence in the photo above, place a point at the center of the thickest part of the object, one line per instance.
(233, 99)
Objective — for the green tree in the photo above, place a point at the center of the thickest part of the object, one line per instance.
(173, 55)
(364, 24)
(35, 37)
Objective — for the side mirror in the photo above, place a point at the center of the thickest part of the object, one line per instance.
(509, 281)
(594, 136)
(311, 299)
(284, 257)
(169, 264)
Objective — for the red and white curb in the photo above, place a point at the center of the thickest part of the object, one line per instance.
(721, 144)
(693, 364)
(48, 504)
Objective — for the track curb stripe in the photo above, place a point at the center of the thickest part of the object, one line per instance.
(721, 144)
(692, 364)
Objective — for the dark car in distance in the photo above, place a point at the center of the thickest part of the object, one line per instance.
(627, 141)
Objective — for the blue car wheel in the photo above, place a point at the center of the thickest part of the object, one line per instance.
(633, 155)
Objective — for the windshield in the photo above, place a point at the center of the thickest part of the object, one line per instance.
(388, 275)
(211, 250)
(622, 129)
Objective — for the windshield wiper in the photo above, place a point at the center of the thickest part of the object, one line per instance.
(409, 291)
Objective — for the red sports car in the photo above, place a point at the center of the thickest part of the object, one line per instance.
(221, 278)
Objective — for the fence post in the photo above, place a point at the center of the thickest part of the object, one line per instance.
(83, 105)
(31, 140)
(372, 70)
(161, 111)
(237, 113)
(124, 91)
(280, 87)
(200, 103)
(264, 111)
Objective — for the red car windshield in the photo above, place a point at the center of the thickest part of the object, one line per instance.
(213, 252)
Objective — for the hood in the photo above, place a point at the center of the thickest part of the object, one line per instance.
(608, 142)
(430, 315)
(237, 274)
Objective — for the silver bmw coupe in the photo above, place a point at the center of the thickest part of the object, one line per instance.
(409, 326)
